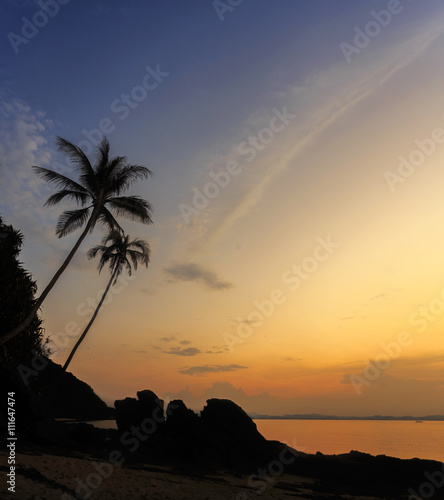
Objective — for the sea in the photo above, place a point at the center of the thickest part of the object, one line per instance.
(395, 438)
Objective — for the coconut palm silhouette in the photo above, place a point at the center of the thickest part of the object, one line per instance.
(120, 253)
(98, 191)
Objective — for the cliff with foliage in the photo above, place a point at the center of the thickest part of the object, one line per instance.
(17, 296)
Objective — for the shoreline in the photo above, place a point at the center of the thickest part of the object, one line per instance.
(317, 437)
(57, 473)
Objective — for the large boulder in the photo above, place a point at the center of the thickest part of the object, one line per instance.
(179, 417)
(141, 420)
(126, 413)
(231, 437)
(183, 432)
(230, 419)
(150, 406)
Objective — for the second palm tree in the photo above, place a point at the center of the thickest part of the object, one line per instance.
(120, 253)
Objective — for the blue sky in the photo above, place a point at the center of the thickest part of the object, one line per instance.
(215, 85)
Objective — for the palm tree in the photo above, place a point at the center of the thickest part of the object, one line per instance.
(98, 191)
(119, 254)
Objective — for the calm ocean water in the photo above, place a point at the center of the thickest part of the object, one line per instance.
(402, 439)
(399, 438)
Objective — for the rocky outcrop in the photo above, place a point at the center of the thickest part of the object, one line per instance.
(138, 413)
(229, 419)
(73, 398)
(223, 436)
(126, 413)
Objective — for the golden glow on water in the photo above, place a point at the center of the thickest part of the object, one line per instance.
(402, 439)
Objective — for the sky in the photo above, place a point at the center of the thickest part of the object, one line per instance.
(297, 151)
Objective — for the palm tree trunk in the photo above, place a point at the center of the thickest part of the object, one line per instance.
(91, 321)
(51, 396)
(21, 326)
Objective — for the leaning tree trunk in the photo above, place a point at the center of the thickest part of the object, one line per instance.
(91, 321)
(21, 326)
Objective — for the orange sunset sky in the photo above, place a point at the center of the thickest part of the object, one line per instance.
(323, 243)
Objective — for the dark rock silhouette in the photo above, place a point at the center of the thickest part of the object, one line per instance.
(183, 432)
(127, 413)
(73, 397)
(150, 406)
(223, 436)
(142, 421)
(179, 416)
(138, 413)
(361, 473)
(231, 420)
(39, 405)
(231, 436)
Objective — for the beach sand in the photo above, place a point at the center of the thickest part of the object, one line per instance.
(45, 476)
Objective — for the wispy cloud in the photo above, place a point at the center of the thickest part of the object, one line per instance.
(188, 351)
(205, 369)
(194, 272)
(346, 91)
(170, 338)
(379, 296)
(23, 143)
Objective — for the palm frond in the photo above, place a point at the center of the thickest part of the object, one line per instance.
(141, 245)
(102, 157)
(56, 198)
(109, 258)
(107, 219)
(70, 220)
(134, 258)
(124, 263)
(125, 176)
(108, 251)
(108, 172)
(142, 257)
(92, 252)
(119, 252)
(116, 237)
(59, 180)
(79, 160)
(131, 207)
